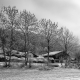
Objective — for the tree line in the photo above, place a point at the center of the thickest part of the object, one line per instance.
(22, 31)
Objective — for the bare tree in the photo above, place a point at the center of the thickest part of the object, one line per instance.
(48, 29)
(11, 15)
(27, 21)
(65, 39)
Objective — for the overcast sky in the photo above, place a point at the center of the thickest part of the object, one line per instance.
(65, 12)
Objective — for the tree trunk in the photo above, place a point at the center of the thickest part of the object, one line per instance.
(65, 48)
(48, 51)
(66, 55)
(29, 63)
(25, 51)
(28, 48)
(11, 47)
(9, 64)
(10, 52)
(4, 55)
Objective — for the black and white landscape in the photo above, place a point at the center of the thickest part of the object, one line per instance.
(39, 39)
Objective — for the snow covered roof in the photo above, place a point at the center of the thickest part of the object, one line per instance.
(52, 53)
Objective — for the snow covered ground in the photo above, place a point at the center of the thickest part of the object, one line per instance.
(35, 74)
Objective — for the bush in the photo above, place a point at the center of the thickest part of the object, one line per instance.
(45, 68)
(21, 65)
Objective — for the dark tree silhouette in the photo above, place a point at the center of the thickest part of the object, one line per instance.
(3, 35)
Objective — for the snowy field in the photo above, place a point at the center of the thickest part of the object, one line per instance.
(35, 74)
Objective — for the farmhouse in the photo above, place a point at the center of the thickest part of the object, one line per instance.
(56, 55)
